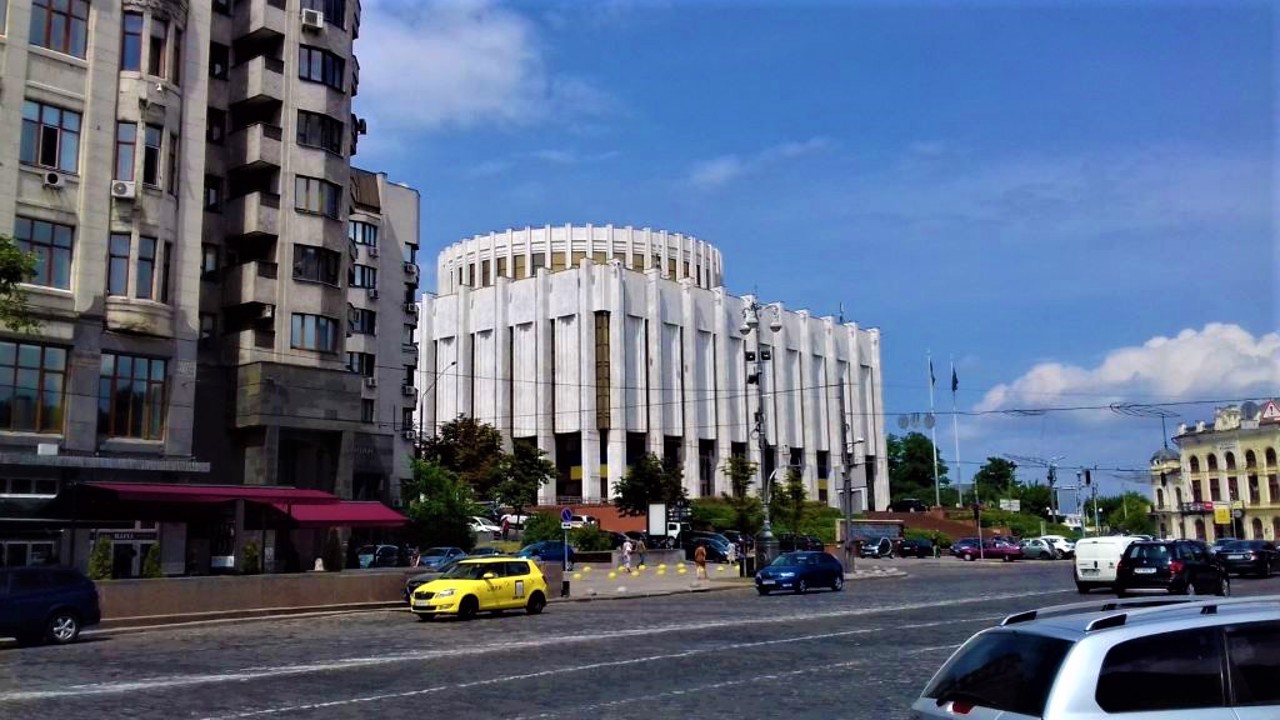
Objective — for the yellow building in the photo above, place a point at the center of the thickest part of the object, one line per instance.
(1223, 480)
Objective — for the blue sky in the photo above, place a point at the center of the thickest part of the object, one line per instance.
(1077, 201)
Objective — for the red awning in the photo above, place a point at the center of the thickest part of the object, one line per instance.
(346, 513)
(185, 493)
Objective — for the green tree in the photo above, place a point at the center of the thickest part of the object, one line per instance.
(539, 527)
(440, 507)
(15, 267)
(151, 563)
(333, 558)
(996, 480)
(648, 481)
(1128, 513)
(472, 450)
(520, 474)
(748, 512)
(590, 538)
(252, 559)
(787, 502)
(911, 467)
(1035, 499)
(100, 559)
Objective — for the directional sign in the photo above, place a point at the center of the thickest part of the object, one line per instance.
(566, 526)
(566, 515)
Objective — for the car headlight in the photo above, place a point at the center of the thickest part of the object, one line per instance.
(445, 593)
(786, 574)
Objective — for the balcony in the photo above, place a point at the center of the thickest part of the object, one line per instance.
(255, 215)
(257, 81)
(254, 148)
(251, 282)
(259, 20)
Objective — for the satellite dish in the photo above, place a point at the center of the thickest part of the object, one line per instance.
(1249, 409)
(930, 421)
(903, 422)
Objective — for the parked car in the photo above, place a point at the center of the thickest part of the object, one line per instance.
(650, 541)
(553, 551)
(487, 551)
(1096, 560)
(581, 520)
(1065, 546)
(879, 548)
(916, 547)
(437, 556)
(1257, 557)
(482, 585)
(1205, 659)
(50, 604)
(617, 539)
(515, 520)
(739, 538)
(990, 550)
(1182, 567)
(717, 547)
(789, 542)
(1220, 543)
(908, 505)
(372, 556)
(960, 545)
(485, 526)
(1039, 549)
(800, 572)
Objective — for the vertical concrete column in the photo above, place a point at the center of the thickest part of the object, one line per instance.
(835, 419)
(804, 394)
(722, 324)
(689, 390)
(590, 434)
(465, 367)
(544, 424)
(502, 329)
(851, 386)
(617, 304)
(875, 423)
(653, 313)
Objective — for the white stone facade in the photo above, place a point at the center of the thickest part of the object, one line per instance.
(599, 363)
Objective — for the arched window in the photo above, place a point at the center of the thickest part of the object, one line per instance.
(1213, 462)
(1195, 464)
(1250, 459)
(1177, 495)
(1257, 528)
(1271, 457)
(1275, 528)
(1230, 458)
(1160, 501)
(1200, 529)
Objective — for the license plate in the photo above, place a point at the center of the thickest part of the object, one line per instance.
(1089, 571)
(1235, 557)
(1144, 571)
(768, 582)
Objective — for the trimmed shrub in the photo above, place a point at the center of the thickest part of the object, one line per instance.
(539, 527)
(590, 538)
(100, 560)
(151, 563)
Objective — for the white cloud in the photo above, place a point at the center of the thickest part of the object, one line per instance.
(1219, 361)
(717, 172)
(459, 63)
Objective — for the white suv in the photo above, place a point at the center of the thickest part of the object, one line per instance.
(1169, 659)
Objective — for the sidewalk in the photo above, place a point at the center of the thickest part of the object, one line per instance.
(590, 582)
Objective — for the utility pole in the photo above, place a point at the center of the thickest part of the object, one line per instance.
(766, 543)
(846, 468)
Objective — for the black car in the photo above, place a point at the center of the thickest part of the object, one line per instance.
(788, 542)
(1254, 557)
(908, 505)
(917, 548)
(717, 547)
(801, 572)
(1175, 566)
(46, 604)
(739, 538)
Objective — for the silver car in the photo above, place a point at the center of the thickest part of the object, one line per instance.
(1165, 659)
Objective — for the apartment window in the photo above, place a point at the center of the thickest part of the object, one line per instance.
(366, 410)
(315, 264)
(131, 395)
(151, 137)
(165, 261)
(51, 244)
(208, 325)
(171, 168)
(219, 60)
(32, 378)
(50, 136)
(335, 11)
(314, 332)
(361, 363)
(362, 233)
(126, 147)
(146, 268)
(60, 25)
(406, 418)
(320, 131)
(212, 192)
(364, 322)
(208, 261)
(362, 276)
(215, 126)
(316, 196)
(411, 253)
(406, 335)
(222, 7)
(118, 263)
(320, 66)
(159, 40)
(131, 42)
(175, 73)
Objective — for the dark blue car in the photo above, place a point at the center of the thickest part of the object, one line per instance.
(552, 551)
(46, 604)
(801, 572)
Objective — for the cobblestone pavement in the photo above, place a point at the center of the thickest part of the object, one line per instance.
(862, 653)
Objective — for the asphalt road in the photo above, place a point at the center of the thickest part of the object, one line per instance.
(862, 653)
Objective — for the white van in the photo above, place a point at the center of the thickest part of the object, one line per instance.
(1096, 559)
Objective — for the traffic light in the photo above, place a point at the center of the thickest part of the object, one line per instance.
(1088, 478)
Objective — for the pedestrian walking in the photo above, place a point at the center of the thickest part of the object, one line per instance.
(627, 549)
(641, 550)
(732, 554)
(700, 562)
(506, 527)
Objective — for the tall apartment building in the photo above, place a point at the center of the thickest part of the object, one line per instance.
(163, 159)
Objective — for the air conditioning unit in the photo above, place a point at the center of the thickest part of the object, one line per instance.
(411, 309)
(371, 381)
(373, 293)
(373, 251)
(312, 20)
(267, 312)
(411, 269)
(54, 180)
(124, 189)
(408, 390)
(410, 434)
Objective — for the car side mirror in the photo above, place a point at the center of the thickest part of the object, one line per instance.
(488, 576)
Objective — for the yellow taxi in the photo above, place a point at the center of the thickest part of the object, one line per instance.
(490, 584)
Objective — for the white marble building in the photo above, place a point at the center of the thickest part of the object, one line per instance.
(601, 343)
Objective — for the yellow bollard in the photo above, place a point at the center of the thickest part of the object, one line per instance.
(641, 567)
(719, 568)
(613, 576)
(663, 566)
(577, 576)
(586, 568)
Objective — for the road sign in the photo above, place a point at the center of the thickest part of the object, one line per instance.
(566, 515)
(566, 526)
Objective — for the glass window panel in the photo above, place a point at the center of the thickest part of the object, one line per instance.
(29, 356)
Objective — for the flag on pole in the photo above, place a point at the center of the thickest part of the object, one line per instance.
(933, 381)
(955, 382)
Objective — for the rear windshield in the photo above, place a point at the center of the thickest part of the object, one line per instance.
(1002, 670)
(1142, 551)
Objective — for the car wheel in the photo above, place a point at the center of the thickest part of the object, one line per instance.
(469, 607)
(424, 617)
(762, 591)
(802, 587)
(968, 557)
(1083, 588)
(536, 603)
(1266, 570)
(63, 627)
(1190, 589)
(1121, 593)
(838, 585)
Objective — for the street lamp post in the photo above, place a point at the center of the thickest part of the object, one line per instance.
(766, 543)
(850, 462)
(422, 406)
